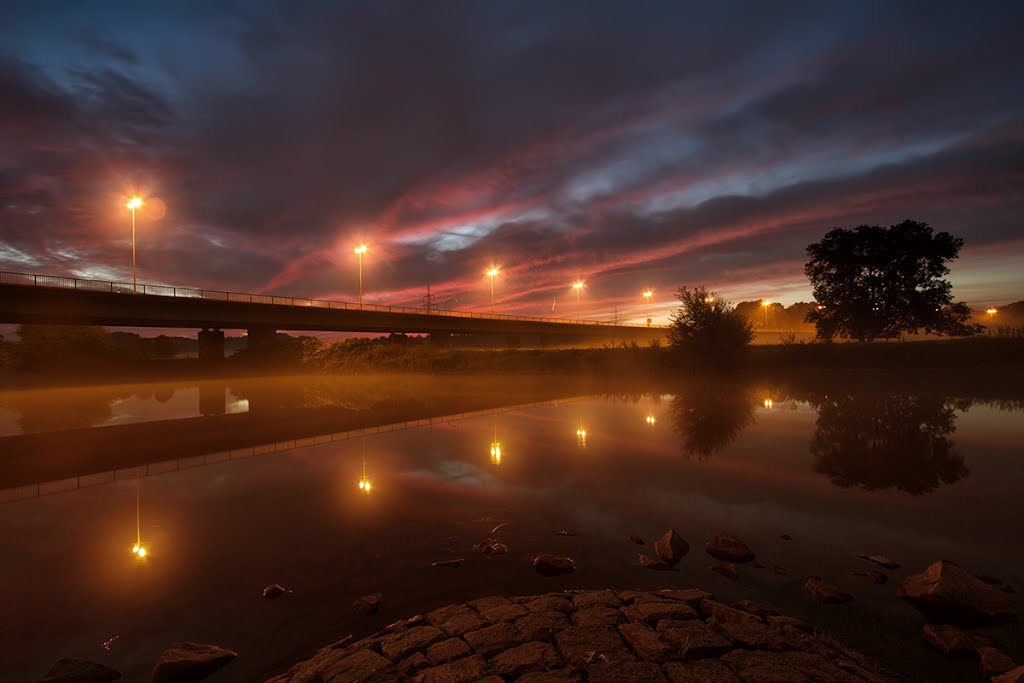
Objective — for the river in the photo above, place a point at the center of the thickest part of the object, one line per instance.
(339, 487)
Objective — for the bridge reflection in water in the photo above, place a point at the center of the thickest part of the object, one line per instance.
(164, 466)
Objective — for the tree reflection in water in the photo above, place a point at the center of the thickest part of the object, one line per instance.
(710, 415)
(879, 442)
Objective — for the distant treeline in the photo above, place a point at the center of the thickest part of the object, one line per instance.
(793, 318)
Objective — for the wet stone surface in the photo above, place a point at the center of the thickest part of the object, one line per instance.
(679, 635)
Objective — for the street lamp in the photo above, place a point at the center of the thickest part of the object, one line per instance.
(360, 250)
(578, 286)
(134, 203)
(765, 304)
(491, 273)
(992, 312)
(648, 293)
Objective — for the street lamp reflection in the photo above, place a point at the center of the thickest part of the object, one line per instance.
(138, 550)
(581, 434)
(495, 446)
(364, 482)
(768, 403)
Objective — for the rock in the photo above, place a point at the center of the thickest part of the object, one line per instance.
(553, 565)
(656, 565)
(695, 639)
(541, 626)
(825, 592)
(753, 636)
(728, 548)
(597, 615)
(779, 622)
(489, 602)
(653, 611)
(565, 532)
(636, 539)
(556, 676)
(1015, 676)
(413, 663)
(992, 662)
(71, 670)
(494, 639)
(401, 644)
(187, 662)
(644, 641)
(447, 650)
(691, 596)
(549, 603)
(273, 591)
(491, 546)
(524, 659)
(997, 582)
(700, 671)
(752, 607)
(756, 565)
(459, 671)
(949, 640)
(671, 547)
(581, 645)
(504, 613)
(723, 614)
(448, 563)
(783, 666)
(596, 599)
(786, 537)
(368, 604)
(878, 577)
(634, 672)
(946, 592)
(880, 560)
(727, 570)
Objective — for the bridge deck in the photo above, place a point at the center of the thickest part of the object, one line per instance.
(45, 299)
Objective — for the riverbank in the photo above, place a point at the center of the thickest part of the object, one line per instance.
(605, 636)
(996, 358)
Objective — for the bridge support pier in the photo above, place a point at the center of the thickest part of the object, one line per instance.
(442, 339)
(258, 338)
(211, 344)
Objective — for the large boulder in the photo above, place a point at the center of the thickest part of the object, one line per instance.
(189, 662)
(948, 593)
(553, 565)
(671, 547)
(71, 670)
(728, 548)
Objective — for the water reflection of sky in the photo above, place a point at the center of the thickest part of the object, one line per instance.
(217, 534)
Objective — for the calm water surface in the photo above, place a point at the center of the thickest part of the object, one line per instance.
(914, 476)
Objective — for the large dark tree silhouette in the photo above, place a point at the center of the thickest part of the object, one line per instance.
(885, 441)
(874, 282)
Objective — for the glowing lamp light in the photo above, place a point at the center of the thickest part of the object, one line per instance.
(581, 434)
(364, 485)
(578, 285)
(768, 403)
(992, 311)
(496, 453)
(709, 299)
(134, 203)
(650, 420)
(135, 548)
(361, 249)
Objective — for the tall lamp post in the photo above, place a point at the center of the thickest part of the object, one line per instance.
(578, 286)
(648, 293)
(765, 304)
(360, 250)
(134, 203)
(491, 273)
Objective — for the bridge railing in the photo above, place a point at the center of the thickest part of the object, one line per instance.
(60, 282)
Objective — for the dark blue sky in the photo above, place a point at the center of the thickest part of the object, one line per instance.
(634, 145)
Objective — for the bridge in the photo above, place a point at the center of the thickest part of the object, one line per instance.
(54, 300)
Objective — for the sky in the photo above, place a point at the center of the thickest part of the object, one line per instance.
(633, 145)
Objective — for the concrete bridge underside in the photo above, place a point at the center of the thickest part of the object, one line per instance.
(59, 306)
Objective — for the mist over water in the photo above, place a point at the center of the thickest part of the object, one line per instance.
(237, 484)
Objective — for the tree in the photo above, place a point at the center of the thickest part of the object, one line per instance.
(874, 282)
(708, 327)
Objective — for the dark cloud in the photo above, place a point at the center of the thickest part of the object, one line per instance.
(652, 144)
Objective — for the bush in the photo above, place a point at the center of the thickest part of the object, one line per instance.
(708, 328)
